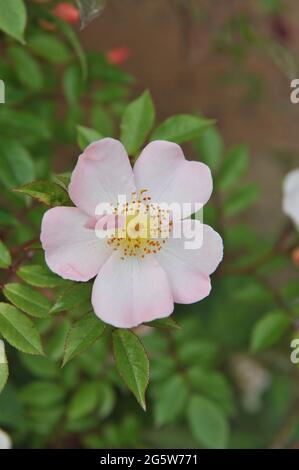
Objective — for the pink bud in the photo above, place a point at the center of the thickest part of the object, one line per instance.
(118, 55)
(67, 12)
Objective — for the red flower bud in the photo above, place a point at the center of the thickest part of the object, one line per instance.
(67, 12)
(118, 55)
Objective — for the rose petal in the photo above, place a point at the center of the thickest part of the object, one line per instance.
(291, 196)
(5, 440)
(129, 292)
(103, 172)
(163, 170)
(72, 250)
(188, 270)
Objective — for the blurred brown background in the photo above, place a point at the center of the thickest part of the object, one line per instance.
(174, 56)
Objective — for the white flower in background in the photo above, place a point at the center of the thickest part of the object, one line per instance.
(252, 379)
(5, 440)
(290, 201)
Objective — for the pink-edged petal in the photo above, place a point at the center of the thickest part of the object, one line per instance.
(72, 250)
(188, 270)
(103, 172)
(163, 170)
(291, 196)
(132, 291)
(5, 440)
(104, 222)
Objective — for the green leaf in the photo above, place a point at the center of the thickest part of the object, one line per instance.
(18, 124)
(252, 292)
(82, 335)
(26, 68)
(18, 330)
(181, 128)
(234, 167)
(111, 93)
(207, 422)
(74, 42)
(209, 146)
(241, 200)
(41, 394)
(43, 420)
(86, 136)
(100, 69)
(107, 399)
(171, 400)
(13, 18)
(27, 299)
(49, 193)
(76, 295)
(54, 346)
(63, 179)
(5, 258)
(49, 47)
(164, 323)
(39, 276)
(268, 330)
(17, 166)
(101, 121)
(3, 366)
(132, 363)
(6, 218)
(137, 121)
(72, 118)
(213, 385)
(40, 366)
(73, 84)
(84, 402)
(199, 351)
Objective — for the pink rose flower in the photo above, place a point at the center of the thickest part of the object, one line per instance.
(5, 440)
(290, 201)
(137, 279)
(67, 12)
(118, 55)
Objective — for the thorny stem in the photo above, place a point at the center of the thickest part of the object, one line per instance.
(280, 247)
(279, 300)
(281, 440)
(21, 253)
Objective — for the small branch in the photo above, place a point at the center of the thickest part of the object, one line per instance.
(281, 440)
(281, 247)
(25, 247)
(21, 253)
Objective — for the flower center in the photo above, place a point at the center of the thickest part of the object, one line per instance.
(143, 227)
